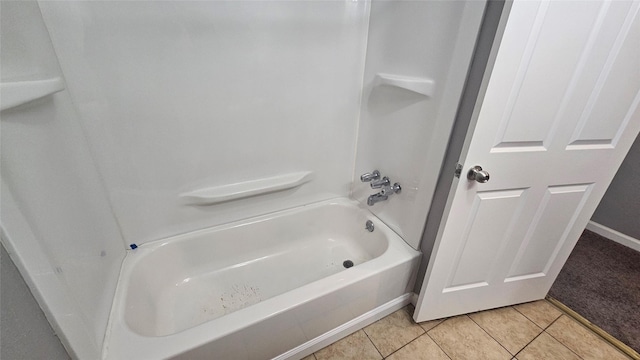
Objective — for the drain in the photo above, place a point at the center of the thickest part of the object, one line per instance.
(347, 263)
(369, 226)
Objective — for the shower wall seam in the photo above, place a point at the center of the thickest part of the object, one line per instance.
(84, 136)
(359, 116)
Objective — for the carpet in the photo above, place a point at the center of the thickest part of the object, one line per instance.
(601, 282)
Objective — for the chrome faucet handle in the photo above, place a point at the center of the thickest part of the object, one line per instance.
(366, 177)
(390, 190)
(377, 184)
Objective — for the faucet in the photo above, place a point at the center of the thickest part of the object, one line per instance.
(373, 199)
(384, 194)
(379, 183)
(367, 177)
(383, 184)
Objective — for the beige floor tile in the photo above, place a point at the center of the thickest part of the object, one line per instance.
(582, 341)
(422, 348)
(428, 325)
(544, 347)
(393, 331)
(461, 338)
(540, 312)
(509, 327)
(355, 346)
(310, 357)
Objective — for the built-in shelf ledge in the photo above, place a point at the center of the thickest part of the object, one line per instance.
(422, 86)
(21, 92)
(224, 193)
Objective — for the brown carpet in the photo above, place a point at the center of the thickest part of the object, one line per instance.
(601, 282)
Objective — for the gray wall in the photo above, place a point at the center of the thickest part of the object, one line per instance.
(620, 206)
(25, 333)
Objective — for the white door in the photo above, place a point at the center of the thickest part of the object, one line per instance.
(559, 114)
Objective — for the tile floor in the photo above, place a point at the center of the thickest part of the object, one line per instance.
(536, 330)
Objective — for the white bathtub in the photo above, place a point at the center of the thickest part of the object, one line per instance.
(258, 288)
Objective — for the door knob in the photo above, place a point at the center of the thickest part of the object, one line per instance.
(476, 173)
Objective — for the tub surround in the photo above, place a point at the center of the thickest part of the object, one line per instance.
(179, 97)
(157, 123)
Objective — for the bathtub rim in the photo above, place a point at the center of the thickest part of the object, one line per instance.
(120, 337)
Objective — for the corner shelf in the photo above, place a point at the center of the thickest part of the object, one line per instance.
(16, 93)
(224, 193)
(422, 86)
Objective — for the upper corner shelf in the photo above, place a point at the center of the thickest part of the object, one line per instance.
(21, 92)
(224, 193)
(422, 86)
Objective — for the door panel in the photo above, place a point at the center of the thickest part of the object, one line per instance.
(548, 230)
(491, 212)
(559, 114)
(615, 93)
(524, 120)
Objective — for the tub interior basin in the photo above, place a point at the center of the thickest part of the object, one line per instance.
(193, 278)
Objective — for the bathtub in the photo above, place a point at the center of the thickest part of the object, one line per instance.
(270, 286)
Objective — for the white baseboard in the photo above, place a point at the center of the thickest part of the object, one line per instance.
(345, 329)
(616, 236)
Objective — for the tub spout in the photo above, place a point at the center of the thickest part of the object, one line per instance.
(376, 198)
(384, 193)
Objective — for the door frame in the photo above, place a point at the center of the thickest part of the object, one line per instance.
(489, 37)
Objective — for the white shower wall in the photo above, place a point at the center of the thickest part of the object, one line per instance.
(179, 96)
(56, 221)
(404, 134)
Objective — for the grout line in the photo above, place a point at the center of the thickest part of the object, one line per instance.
(523, 314)
(619, 345)
(491, 336)
(406, 309)
(388, 356)
(409, 342)
(436, 325)
(424, 333)
(529, 343)
(558, 340)
(553, 322)
(438, 345)
(371, 341)
(395, 351)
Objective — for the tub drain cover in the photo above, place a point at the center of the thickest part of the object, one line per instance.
(347, 263)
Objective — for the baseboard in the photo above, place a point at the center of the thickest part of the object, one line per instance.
(616, 236)
(345, 329)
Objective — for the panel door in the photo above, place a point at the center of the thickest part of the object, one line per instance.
(559, 114)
